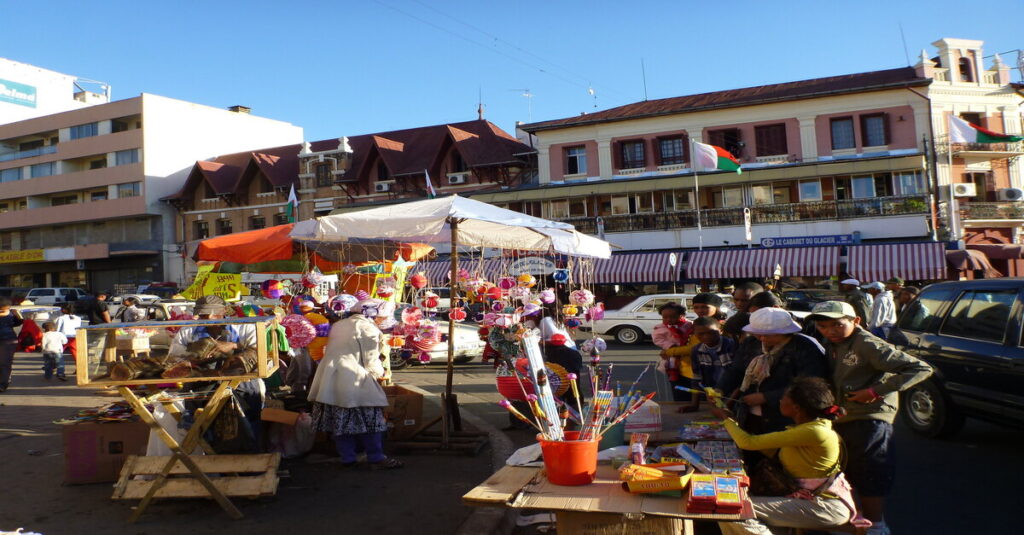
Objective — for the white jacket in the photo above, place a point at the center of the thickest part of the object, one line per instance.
(883, 311)
(347, 375)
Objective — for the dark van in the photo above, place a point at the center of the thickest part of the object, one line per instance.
(970, 331)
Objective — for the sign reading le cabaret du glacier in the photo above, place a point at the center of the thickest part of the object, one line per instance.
(807, 241)
(15, 93)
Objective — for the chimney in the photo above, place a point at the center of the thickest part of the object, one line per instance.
(240, 109)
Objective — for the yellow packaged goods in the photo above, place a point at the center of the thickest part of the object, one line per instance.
(657, 485)
(636, 472)
(728, 492)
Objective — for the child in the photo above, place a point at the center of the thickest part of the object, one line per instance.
(53, 351)
(9, 319)
(674, 336)
(714, 352)
(68, 324)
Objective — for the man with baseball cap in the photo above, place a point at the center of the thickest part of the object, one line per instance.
(867, 374)
(850, 288)
(883, 310)
(894, 285)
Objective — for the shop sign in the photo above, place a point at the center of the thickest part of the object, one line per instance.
(225, 285)
(533, 265)
(807, 241)
(18, 257)
(15, 93)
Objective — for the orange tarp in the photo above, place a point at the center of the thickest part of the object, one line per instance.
(263, 245)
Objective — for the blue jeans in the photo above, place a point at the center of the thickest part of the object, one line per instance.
(372, 444)
(53, 361)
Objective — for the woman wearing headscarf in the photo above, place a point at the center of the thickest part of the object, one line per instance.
(348, 400)
(784, 356)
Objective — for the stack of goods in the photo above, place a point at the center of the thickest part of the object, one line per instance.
(206, 357)
(119, 411)
(695, 431)
(663, 479)
(723, 457)
(712, 493)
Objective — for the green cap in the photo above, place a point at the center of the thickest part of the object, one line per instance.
(896, 280)
(832, 310)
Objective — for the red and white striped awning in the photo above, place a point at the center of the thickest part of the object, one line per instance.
(629, 268)
(760, 263)
(437, 271)
(910, 261)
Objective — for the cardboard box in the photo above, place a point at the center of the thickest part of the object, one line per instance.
(574, 523)
(279, 415)
(404, 412)
(94, 452)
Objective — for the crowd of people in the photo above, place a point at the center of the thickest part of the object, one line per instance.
(813, 405)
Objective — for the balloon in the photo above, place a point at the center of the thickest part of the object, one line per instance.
(299, 330)
(561, 275)
(547, 296)
(570, 310)
(595, 312)
(312, 279)
(362, 295)
(494, 293)
(418, 281)
(457, 314)
(507, 283)
(342, 303)
(272, 289)
(527, 281)
(520, 293)
(572, 323)
(396, 341)
(582, 298)
(411, 316)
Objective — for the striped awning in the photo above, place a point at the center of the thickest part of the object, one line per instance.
(971, 260)
(910, 261)
(631, 268)
(437, 271)
(760, 263)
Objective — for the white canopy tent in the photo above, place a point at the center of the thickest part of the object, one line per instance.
(460, 222)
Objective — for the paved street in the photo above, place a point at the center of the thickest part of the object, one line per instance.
(933, 478)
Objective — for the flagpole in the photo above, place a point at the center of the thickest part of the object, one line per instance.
(696, 197)
(954, 217)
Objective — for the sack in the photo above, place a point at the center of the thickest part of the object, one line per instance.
(769, 478)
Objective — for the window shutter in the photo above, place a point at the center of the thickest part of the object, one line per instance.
(618, 155)
(686, 149)
(885, 125)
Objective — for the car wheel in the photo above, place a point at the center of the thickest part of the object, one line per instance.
(927, 411)
(463, 359)
(397, 362)
(629, 335)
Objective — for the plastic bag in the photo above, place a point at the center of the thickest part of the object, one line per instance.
(292, 440)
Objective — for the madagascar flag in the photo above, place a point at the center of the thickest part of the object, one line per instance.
(961, 131)
(709, 158)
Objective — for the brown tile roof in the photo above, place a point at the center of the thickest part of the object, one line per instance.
(748, 96)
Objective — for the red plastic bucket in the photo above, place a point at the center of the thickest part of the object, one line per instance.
(570, 462)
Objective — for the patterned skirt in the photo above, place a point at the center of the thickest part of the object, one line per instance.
(336, 420)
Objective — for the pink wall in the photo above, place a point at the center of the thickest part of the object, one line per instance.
(77, 181)
(556, 155)
(903, 133)
(73, 213)
(747, 136)
(650, 147)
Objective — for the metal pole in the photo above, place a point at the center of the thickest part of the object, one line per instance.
(696, 199)
(448, 401)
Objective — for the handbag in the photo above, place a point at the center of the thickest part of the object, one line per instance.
(769, 477)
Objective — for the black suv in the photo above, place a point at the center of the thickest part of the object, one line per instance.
(970, 331)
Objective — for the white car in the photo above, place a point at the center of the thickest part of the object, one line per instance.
(468, 346)
(53, 296)
(635, 322)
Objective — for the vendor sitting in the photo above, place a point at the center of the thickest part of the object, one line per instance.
(813, 493)
(557, 351)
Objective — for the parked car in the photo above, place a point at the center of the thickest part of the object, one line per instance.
(53, 296)
(970, 331)
(799, 302)
(468, 345)
(116, 304)
(635, 322)
(11, 291)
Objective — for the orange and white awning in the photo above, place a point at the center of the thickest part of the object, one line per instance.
(633, 268)
(760, 263)
(909, 261)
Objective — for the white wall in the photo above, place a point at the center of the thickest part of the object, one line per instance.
(176, 134)
(55, 92)
(893, 227)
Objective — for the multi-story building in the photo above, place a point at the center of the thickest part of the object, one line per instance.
(249, 190)
(850, 161)
(27, 91)
(80, 190)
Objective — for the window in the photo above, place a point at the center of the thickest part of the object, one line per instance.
(728, 139)
(382, 171)
(620, 205)
(771, 139)
(98, 196)
(42, 169)
(223, 227)
(973, 118)
(631, 155)
(64, 199)
(132, 189)
(98, 164)
(257, 222)
(727, 197)
(671, 151)
(981, 185)
(654, 304)
(810, 190)
(782, 194)
(118, 126)
(644, 203)
(200, 230)
(980, 315)
(883, 185)
(762, 194)
(923, 314)
(966, 70)
(458, 164)
(558, 209)
(863, 187)
(575, 161)
(125, 157)
(323, 175)
(874, 130)
(4, 207)
(85, 130)
(682, 199)
(842, 133)
(280, 219)
(30, 145)
(7, 241)
(10, 175)
(911, 183)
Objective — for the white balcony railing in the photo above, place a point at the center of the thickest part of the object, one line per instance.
(773, 160)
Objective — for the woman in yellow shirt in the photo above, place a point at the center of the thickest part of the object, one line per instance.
(809, 453)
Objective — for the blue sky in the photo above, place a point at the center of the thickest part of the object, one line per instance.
(360, 66)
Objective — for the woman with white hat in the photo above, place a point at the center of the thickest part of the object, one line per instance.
(785, 355)
(348, 401)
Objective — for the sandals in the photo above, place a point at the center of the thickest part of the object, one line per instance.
(387, 464)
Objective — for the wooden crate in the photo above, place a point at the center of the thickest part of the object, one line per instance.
(249, 476)
(99, 345)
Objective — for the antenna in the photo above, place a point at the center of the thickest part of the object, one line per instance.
(480, 103)
(529, 102)
(643, 73)
(904, 38)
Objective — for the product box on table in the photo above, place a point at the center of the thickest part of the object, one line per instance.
(94, 452)
(404, 412)
(120, 354)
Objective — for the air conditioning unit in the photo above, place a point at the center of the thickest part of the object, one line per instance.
(458, 178)
(381, 188)
(1010, 194)
(965, 189)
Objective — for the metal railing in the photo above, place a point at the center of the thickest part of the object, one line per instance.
(991, 210)
(39, 151)
(760, 214)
